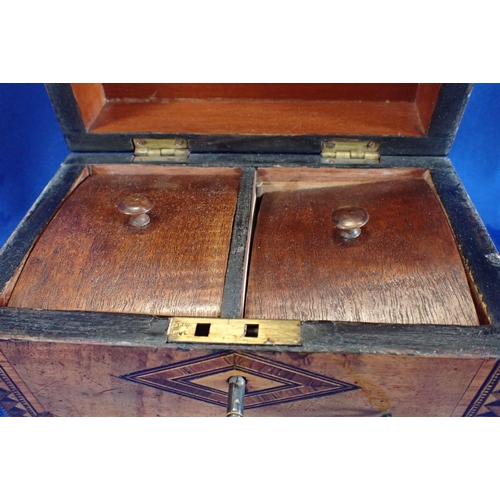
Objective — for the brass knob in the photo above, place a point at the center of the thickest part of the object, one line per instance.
(349, 221)
(138, 206)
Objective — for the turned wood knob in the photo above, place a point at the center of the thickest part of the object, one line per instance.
(138, 206)
(349, 221)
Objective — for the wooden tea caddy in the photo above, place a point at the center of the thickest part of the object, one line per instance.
(239, 275)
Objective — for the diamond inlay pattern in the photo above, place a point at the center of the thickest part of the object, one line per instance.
(268, 382)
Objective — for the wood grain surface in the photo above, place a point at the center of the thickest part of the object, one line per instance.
(90, 259)
(295, 91)
(404, 268)
(291, 109)
(279, 117)
(90, 98)
(426, 100)
(85, 380)
(16, 250)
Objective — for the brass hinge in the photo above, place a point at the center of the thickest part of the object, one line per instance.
(350, 151)
(161, 149)
(234, 331)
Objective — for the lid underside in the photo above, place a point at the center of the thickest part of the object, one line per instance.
(402, 115)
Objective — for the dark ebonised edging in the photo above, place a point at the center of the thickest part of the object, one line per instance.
(135, 330)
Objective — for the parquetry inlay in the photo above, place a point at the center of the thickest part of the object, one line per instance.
(268, 382)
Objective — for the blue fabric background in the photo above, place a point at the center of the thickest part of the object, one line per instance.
(476, 154)
(32, 148)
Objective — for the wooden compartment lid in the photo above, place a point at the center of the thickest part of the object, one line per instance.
(403, 268)
(406, 119)
(91, 257)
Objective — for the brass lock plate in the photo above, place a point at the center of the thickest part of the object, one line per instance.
(234, 331)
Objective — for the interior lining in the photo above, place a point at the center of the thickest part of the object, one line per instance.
(258, 109)
(287, 91)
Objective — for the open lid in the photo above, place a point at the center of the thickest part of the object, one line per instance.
(405, 119)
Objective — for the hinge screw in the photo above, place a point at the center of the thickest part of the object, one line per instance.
(330, 143)
(141, 142)
(371, 145)
(179, 142)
